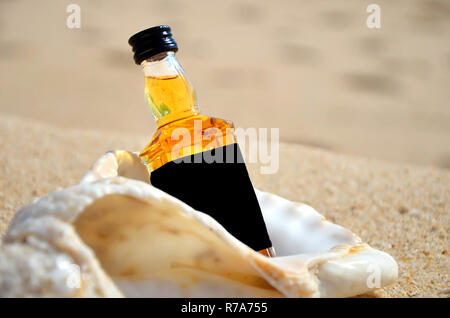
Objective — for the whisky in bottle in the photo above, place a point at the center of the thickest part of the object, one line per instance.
(194, 157)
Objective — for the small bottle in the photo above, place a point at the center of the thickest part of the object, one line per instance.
(193, 157)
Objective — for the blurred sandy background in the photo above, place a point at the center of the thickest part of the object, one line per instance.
(311, 68)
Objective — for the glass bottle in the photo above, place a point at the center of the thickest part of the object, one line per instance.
(192, 156)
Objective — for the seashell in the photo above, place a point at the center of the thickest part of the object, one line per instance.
(115, 235)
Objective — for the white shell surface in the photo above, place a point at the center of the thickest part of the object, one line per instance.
(128, 238)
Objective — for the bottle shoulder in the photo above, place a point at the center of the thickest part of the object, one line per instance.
(191, 124)
(189, 135)
(198, 121)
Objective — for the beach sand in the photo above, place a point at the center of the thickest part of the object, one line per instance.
(311, 68)
(400, 209)
(363, 113)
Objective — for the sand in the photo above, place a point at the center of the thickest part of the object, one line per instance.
(311, 68)
(401, 209)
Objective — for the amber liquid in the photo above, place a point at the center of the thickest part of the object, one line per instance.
(173, 102)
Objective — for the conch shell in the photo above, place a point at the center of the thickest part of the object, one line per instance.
(115, 235)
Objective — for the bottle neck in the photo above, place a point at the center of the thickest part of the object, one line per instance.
(169, 93)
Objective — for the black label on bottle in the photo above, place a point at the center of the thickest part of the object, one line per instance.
(216, 182)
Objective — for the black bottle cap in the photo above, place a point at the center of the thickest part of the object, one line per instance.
(152, 41)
